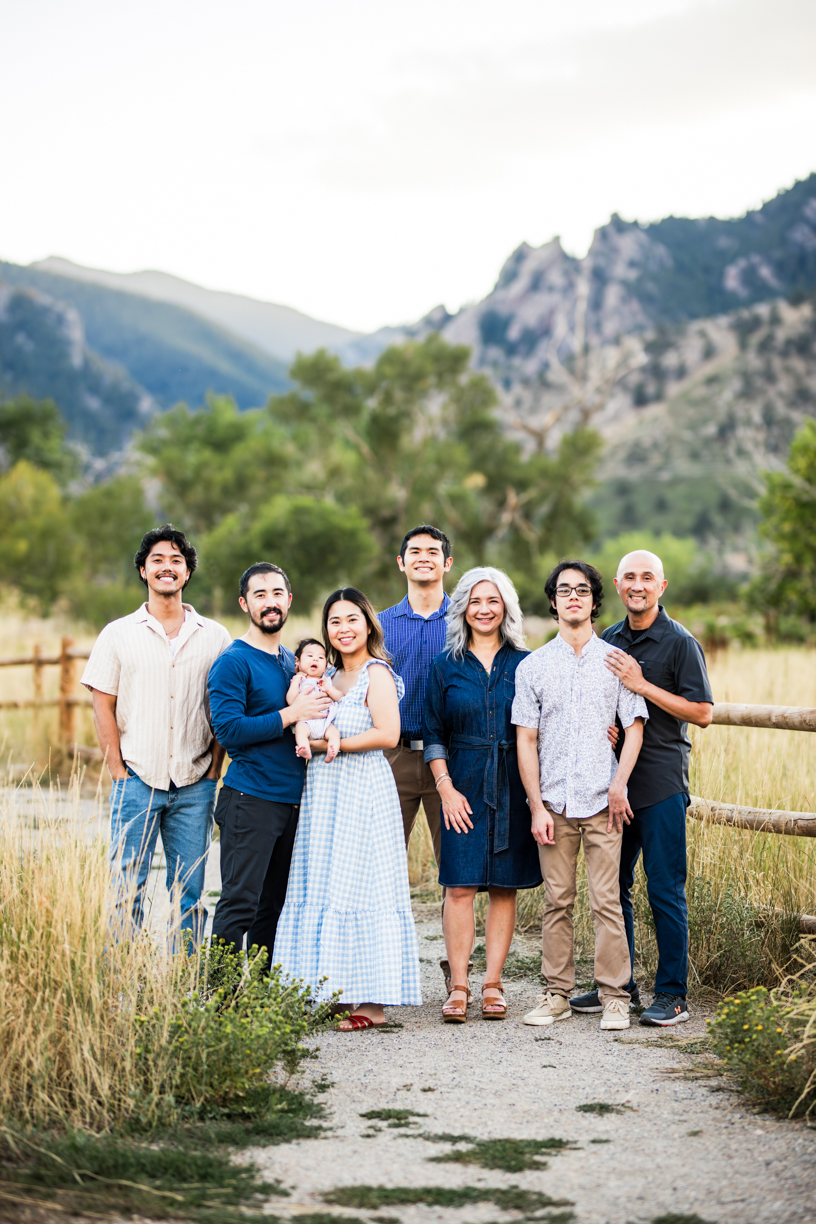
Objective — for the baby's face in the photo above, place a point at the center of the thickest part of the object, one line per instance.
(312, 661)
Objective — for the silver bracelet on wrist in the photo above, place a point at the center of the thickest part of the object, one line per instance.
(441, 779)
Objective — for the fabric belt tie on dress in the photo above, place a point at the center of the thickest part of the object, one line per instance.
(498, 750)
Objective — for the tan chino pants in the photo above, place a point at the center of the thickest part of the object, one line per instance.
(558, 866)
(415, 784)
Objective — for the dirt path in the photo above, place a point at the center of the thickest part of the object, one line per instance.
(678, 1146)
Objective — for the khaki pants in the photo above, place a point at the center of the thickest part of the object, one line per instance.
(415, 785)
(558, 864)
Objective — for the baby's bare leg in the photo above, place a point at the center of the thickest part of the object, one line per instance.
(304, 748)
(333, 740)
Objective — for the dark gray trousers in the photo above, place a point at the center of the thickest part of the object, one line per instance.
(257, 838)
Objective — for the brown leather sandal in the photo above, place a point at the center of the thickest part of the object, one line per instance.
(496, 1009)
(455, 1011)
(444, 965)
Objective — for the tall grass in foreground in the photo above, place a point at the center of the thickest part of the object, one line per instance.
(99, 1031)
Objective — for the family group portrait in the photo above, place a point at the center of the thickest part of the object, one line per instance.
(517, 760)
(408, 612)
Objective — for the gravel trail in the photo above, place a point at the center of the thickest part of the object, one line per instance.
(678, 1147)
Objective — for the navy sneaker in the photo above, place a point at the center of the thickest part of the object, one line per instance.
(666, 1009)
(592, 1002)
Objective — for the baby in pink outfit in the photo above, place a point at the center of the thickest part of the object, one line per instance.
(310, 675)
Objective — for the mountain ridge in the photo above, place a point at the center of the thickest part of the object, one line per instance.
(280, 331)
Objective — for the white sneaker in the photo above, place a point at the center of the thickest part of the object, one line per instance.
(615, 1014)
(551, 1008)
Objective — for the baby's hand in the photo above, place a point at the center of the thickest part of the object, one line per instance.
(293, 690)
(329, 689)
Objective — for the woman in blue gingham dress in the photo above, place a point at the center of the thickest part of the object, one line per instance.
(347, 915)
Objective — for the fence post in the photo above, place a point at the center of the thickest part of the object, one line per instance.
(38, 686)
(66, 692)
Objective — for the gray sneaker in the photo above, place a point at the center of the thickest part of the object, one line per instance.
(551, 1008)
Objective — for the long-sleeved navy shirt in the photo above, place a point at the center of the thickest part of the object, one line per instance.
(247, 692)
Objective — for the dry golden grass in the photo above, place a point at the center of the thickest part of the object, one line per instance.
(69, 992)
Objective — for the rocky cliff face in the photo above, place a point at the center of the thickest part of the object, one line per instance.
(634, 278)
(683, 342)
(43, 353)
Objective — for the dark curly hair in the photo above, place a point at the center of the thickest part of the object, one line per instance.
(590, 573)
(169, 533)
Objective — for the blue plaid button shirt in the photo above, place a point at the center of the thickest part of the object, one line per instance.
(413, 641)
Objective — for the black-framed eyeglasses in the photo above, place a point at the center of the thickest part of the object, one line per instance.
(582, 590)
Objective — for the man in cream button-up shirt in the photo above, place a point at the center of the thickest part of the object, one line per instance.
(148, 675)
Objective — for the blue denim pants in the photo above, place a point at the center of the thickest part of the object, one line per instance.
(659, 832)
(184, 816)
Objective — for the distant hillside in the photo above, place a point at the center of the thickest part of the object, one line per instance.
(278, 330)
(734, 390)
(171, 352)
(43, 352)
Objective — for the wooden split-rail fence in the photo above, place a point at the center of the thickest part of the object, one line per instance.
(68, 699)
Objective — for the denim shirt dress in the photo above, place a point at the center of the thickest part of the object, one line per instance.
(467, 723)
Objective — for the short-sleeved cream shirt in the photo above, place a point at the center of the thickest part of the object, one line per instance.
(162, 707)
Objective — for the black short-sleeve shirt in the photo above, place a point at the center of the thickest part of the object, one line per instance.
(673, 660)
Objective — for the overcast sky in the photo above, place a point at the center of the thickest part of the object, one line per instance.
(364, 160)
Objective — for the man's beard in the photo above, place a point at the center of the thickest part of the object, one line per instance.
(273, 622)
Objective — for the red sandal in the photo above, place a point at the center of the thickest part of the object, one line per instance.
(356, 1022)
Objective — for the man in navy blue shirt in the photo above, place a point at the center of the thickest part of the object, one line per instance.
(257, 810)
(414, 634)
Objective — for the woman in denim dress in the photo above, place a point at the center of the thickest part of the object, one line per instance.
(470, 742)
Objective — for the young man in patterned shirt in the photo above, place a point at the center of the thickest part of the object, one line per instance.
(566, 699)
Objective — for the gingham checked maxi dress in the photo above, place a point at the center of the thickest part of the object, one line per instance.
(347, 915)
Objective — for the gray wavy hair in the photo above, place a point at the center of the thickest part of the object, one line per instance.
(458, 636)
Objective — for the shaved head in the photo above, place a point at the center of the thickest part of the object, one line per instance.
(641, 559)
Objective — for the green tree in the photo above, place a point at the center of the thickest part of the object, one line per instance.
(417, 438)
(787, 579)
(37, 549)
(320, 546)
(214, 461)
(35, 431)
(108, 521)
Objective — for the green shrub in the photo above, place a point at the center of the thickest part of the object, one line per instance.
(768, 1043)
(214, 1056)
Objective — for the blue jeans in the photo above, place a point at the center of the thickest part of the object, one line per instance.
(184, 815)
(659, 832)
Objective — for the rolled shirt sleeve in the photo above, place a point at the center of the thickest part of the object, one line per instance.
(435, 735)
(631, 706)
(526, 704)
